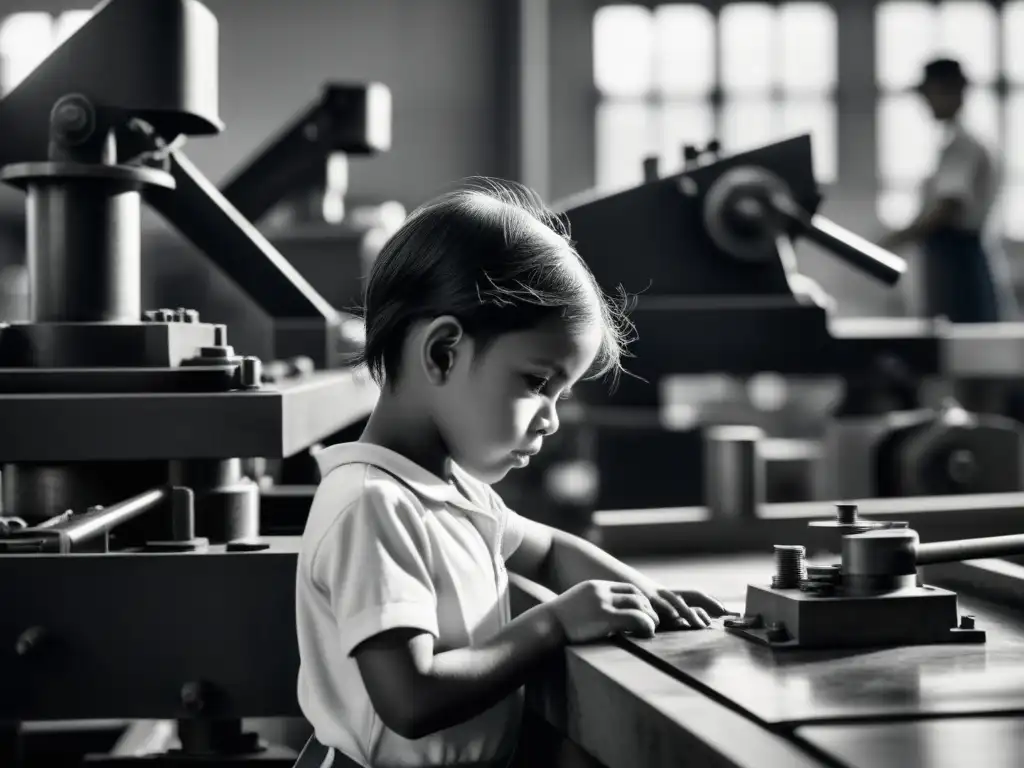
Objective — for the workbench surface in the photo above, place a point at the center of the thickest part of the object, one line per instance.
(912, 706)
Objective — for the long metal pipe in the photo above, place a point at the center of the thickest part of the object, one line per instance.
(970, 549)
(79, 529)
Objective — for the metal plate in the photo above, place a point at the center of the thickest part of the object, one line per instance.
(993, 742)
(797, 687)
(274, 422)
(123, 633)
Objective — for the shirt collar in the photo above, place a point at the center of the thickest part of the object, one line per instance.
(422, 482)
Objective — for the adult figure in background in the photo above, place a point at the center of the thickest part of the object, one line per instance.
(966, 279)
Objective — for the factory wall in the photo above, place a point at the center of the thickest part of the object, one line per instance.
(438, 58)
(447, 65)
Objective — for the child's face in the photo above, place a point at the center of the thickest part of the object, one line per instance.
(497, 407)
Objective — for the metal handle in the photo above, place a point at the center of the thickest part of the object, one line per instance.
(970, 549)
(853, 249)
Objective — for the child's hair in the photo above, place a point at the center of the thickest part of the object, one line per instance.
(494, 257)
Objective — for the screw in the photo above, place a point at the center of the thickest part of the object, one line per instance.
(166, 315)
(251, 373)
(790, 568)
(846, 514)
(777, 632)
(967, 622)
(29, 640)
(191, 316)
(192, 697)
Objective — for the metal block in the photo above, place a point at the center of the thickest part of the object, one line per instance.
(149, 636)
(792, 619)
(273, 422)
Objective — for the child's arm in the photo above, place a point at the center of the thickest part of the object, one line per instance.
(417, 692)
(560, 560)
(377, 564)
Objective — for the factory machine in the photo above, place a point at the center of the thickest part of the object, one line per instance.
(137, 581)
(710, 252)
(125, 431)
(294, 187)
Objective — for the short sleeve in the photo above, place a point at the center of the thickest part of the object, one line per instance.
(375, 563)
(958, 168)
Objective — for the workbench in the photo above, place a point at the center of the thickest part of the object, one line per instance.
(714, 699)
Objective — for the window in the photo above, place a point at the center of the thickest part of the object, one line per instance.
(28, 38)
(753, 73)
(909, 33)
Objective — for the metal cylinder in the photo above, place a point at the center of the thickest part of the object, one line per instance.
(971, 549)
(227, 504)
(734, 475)
(84, 243)
(183, 514)
(790, 566)
(880, 560)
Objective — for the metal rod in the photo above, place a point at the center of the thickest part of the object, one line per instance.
(81, 528)
(862, 254)
(970, 549)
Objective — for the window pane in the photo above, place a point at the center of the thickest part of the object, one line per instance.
(623, 50)
(1013, 211)
(906, 140)
(25, 40)
(969, 31)
(981, 115)
(68, 23)
(807, 33)
(898, 207)
(623, 140)
(684, 123)
(1013, 33)
(905, 40)
(748, 47)
(817, 117)
(748, 123)
(685, 63)
(1014, 147)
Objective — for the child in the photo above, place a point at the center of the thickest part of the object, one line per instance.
(479, 317)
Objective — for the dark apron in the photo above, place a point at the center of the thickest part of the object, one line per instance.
(960, 282)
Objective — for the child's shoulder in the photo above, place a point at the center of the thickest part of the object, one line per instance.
(364, 485)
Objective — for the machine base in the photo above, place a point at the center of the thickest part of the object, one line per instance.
(792, 619)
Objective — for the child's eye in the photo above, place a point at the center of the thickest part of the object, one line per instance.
(535, 383)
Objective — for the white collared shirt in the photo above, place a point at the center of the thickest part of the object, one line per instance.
(387, 545)
(966, 171)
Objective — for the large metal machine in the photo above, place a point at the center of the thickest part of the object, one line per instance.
(710, 252)
(124, 430)
(138, 582)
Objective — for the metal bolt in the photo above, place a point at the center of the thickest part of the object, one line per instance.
(179, 314)
(790, 567)
(151, 315)
(777, 632)
(251, 373)
(967, 622)
(192, 697)
(29, 640)
(166, 315)
(191, 316)
(846, 514)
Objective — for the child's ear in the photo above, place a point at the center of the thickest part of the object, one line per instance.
(439, 348)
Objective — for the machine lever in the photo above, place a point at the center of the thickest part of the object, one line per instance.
(970, 549)
(851, 248)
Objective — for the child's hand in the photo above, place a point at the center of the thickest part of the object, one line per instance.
(687, 608)
(593, 610)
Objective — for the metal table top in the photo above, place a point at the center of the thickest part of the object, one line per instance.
(792, 688)
(992, 742)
